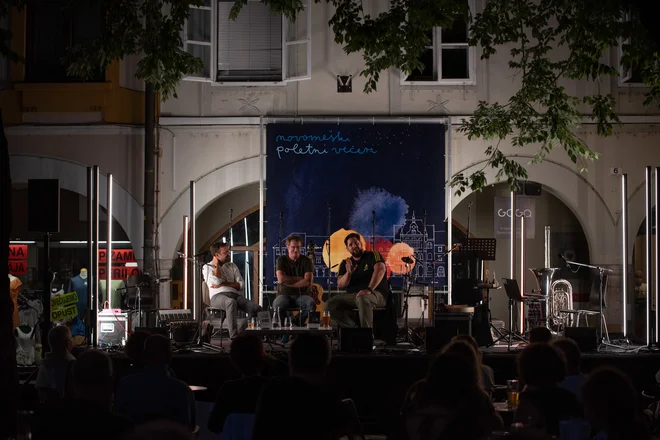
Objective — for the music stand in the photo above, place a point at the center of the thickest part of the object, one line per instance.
(512, 290)
(483, 248)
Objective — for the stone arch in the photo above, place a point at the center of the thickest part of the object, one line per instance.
(576, 192)
(208, 188)
(73, 177)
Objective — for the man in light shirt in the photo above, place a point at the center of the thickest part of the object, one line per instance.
(225, 284)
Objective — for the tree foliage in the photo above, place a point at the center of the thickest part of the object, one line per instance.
(548, 42)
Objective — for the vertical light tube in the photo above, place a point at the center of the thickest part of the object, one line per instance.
(95, 271)
(450, 204)
(91, 279)
(185, 262)
(512, 247)
(546, 241)
(656, 254)
(108, 246)
(261, 211)
(248, 275)
(624, 251)
(649, 265)
(521, 317)
(192, 251)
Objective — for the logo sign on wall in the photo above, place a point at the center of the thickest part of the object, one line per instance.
(525, 208)
(384, 181)
(18, 254)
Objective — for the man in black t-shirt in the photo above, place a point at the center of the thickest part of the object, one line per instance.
(295, 275)
(363, 278)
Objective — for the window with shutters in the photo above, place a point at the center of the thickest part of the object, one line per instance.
(649, 16)
(52, 27)
(259, 47)
(448, 59)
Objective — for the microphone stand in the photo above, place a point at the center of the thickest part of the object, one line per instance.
(469, 266)
(601, 271)
(199, 342)
(424, 261)
(373, 230)
(329, 252)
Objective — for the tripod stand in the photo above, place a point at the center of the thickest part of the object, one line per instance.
(409, 280)
(513, 293)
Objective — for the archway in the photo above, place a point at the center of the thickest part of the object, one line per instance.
(567, 238)
(73, 177)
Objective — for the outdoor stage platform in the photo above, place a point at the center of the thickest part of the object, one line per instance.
(378, 381)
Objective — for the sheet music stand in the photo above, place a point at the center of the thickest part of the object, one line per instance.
(512, 290)
(482, 248)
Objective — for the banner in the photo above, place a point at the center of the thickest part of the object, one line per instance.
(18, 263)
(525, 207)
(385, 181)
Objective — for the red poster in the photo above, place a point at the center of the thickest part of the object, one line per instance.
(18, 267)
(119, 272)
(118, 256)
(18, 251)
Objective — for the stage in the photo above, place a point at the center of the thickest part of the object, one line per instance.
(378, 381)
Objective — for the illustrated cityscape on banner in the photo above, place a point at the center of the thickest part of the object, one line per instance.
(330, 179)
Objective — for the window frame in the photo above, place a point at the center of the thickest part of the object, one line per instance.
(625, 74)
(285, 43)
(437, 47)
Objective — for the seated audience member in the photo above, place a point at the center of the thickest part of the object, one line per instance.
(160, 430)
(302, 397)
(135, 349)
(152, 393)
(54, 379)
(437, 408)
(487, 374)
(543, 404)
(611, 406)
(572, 354)
(539, 334)
(240, 396)
(91, 409)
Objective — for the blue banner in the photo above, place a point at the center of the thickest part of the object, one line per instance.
(385, 181)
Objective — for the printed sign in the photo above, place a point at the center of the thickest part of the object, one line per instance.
(64, 314)
(63, 300)
(17, 267)
(119, 272)
(18, 251)
(525, 208)
(118, 256)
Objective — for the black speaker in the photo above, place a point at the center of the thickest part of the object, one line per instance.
(585, 337)
(532, 189)
(447, 325)
(356, 340)
(43, 205)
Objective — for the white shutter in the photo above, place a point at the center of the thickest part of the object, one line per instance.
(198, 38)
(250, 47)
(625, 75)
(297, 45)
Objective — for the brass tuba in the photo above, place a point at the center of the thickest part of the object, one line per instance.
(560, 299)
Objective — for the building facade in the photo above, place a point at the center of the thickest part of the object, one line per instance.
(262, 66)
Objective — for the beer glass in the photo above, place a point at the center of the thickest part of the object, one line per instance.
(326, 319)
(252, 323)
(513, 393)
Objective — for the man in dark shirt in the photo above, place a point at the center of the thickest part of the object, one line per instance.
(295, 274)
(363, 278)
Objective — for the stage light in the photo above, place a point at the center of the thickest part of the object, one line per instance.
(649, 265)
(108, 259)
(193, 251)
(624, 250)
(185, 262)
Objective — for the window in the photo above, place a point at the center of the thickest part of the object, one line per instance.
(651, 22)
(448, 58)
(258, 47)
(52, 27)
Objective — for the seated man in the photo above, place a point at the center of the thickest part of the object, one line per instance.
(225, 284)
(54, 380)
(295, 274)
(363, 277)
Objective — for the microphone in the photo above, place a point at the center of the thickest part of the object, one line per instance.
(407, 260)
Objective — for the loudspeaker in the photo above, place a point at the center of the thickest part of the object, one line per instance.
(43, 205)
(356, 340)
(532, 189)
(585, 337)
(447, 325)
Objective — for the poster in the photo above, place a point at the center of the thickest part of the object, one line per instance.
(385, 181)
(525, 208)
